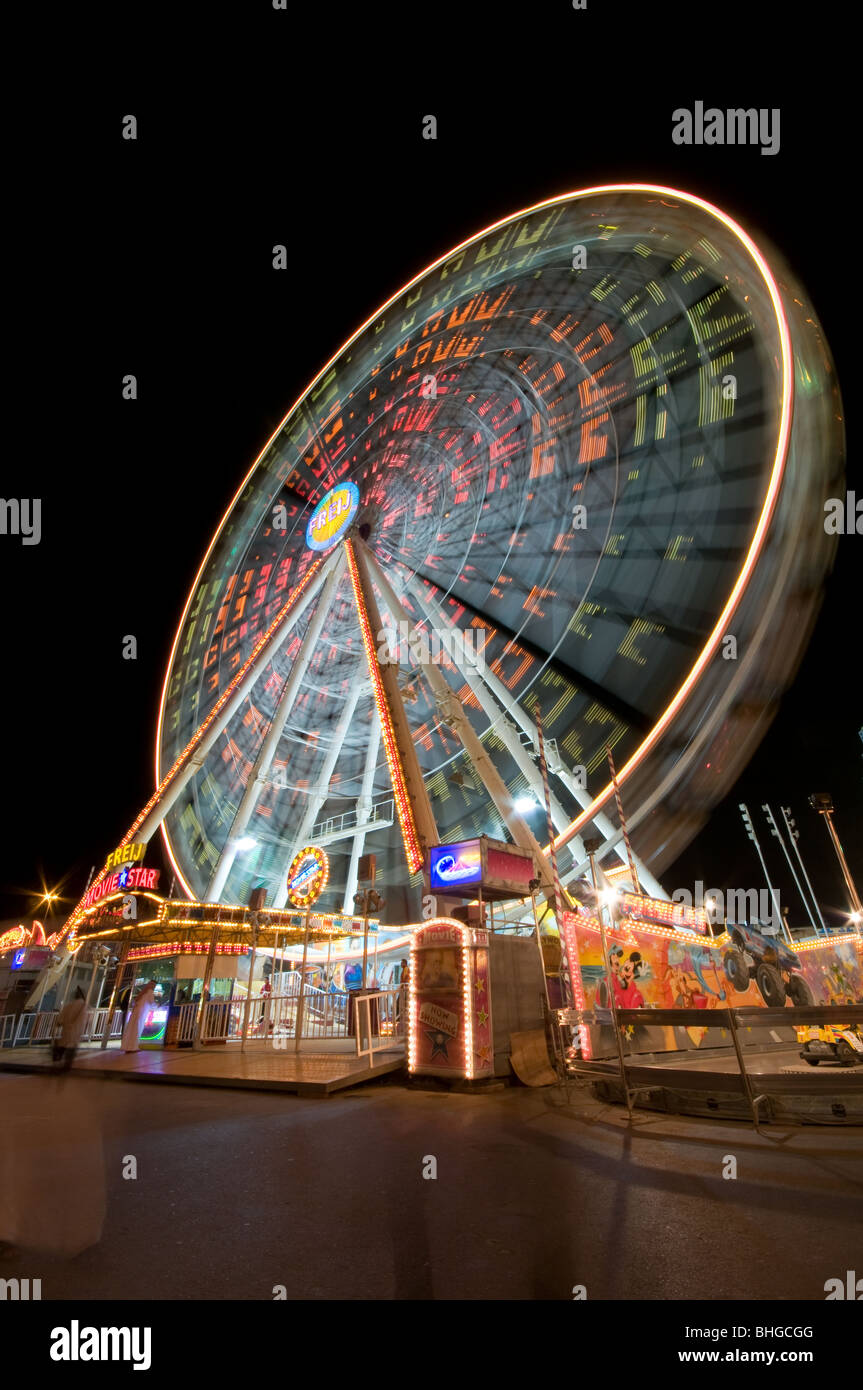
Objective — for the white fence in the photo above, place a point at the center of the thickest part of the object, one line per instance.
(320, 1015)
(27, 1028)
(94, 1028)
(375, 1020)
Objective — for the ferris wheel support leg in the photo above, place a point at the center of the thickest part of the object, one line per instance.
(556, 766)
(502, 726)
(317, 799)
(260, 772)
(413, 806)
(452, 713)
(364, 806)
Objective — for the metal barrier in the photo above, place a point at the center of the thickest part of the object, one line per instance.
(19, 1030)
(24, 1029)
(323, 1015)
(377, 1017)
(94, 1027)
(635, 1079)
(186, 1023)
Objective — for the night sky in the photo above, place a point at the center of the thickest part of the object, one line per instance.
(311, 136)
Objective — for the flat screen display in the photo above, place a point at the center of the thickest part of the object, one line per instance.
(452, 867)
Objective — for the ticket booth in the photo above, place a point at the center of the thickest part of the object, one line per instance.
(450, 1010)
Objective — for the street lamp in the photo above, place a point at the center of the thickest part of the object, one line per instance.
(822, 802)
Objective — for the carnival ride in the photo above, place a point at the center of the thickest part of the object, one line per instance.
(563, 469)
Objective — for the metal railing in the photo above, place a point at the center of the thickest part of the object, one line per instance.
(321, 1015)
(376, 1020)
(30, 1027)
(638, 1077)
(94, 1026)
(349, 822)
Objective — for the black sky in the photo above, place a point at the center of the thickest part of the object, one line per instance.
(304, 128)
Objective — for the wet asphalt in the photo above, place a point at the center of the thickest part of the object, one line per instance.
(239, 1193)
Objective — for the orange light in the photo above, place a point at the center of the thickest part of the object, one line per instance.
(404, 808)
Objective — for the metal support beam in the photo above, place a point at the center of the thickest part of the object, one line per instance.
(364, 806)
(452, 713)
(413, 807)
(502, 727)
(191, 760)
(270, 743)
(556, 765)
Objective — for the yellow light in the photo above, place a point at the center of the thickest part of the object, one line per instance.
(404, 807)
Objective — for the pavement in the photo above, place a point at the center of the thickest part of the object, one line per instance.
(390, 1192)
(322, 1066)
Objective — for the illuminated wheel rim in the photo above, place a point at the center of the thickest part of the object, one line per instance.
(627, 350)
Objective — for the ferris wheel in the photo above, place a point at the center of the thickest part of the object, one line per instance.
(577, 466)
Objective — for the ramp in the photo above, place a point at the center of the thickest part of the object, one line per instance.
(530, 1060)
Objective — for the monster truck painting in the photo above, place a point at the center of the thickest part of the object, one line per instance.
(770, 963)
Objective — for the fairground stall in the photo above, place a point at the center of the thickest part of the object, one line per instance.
(733, 1021)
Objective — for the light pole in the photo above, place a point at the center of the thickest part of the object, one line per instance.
(794, 836)
(750, 830)
(822, 802)
(774, 830)
(591, 847)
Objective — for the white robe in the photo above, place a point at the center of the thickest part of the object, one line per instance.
(135, 1024)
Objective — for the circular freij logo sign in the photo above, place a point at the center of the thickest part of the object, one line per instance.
(332, 516)
(307, 876)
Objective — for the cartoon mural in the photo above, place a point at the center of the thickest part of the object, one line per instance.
(653, 967)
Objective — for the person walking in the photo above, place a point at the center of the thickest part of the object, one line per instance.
(71, 1022)
(143, 1004)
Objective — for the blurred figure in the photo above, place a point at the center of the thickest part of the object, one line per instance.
(132, 1032)
(52, 1197)
(265, 996)
(71, 1020)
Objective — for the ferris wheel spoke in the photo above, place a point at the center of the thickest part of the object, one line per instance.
(318, 797)
(363, 810)
(269, 745)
